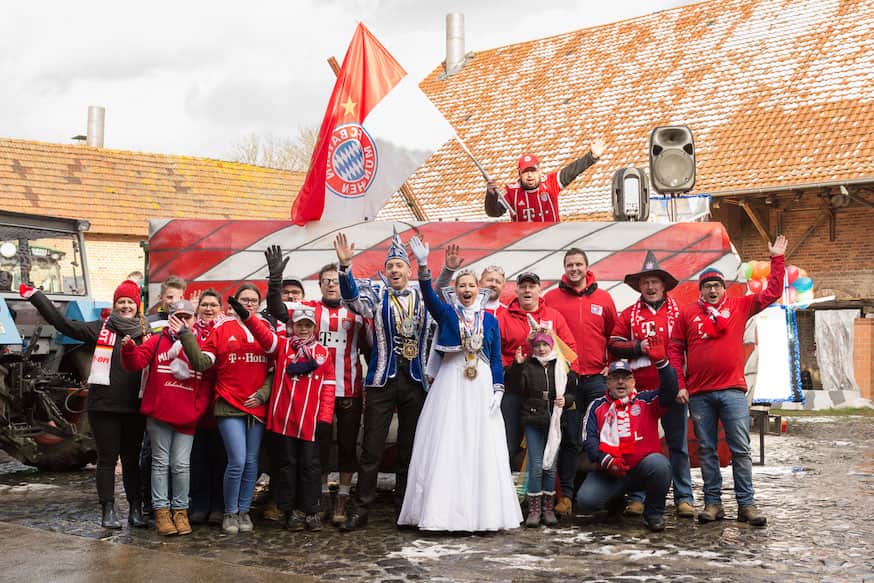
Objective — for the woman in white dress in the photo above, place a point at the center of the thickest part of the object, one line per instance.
(459, 477)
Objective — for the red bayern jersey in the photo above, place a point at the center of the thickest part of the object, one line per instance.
(240, 363)
(344, 334)
(537, 206)
(714, 363)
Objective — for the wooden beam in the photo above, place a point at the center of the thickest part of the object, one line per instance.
(405, 190)
(754, 218)
(820, 220)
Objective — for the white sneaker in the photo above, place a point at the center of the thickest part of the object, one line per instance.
(231, 524)
(245, 522)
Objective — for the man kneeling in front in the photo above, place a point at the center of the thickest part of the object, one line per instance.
(621, 436)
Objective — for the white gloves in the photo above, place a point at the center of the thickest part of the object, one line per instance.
(420, 251)
(495, 403)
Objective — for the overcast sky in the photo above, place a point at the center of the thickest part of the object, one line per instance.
(195, 78)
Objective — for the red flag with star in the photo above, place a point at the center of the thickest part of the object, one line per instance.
(378, 129)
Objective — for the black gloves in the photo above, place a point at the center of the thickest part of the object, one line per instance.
(242, 312)
(275, 263)
(301, 368)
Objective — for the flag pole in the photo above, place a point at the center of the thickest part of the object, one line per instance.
(405, 190)
(472, 159)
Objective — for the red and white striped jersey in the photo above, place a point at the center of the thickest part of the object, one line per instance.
(344, 334)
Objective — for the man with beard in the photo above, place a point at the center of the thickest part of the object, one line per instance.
(591, 314)
(650, 319)
(492, 278)
(343, 333)
(534, 197)
(515, 325)
(708, 341)
(395, 372)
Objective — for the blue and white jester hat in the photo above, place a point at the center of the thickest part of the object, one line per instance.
(397, 249)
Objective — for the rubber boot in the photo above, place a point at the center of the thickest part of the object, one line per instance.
(534, 510)
(549, 518)
(135, 515)
(110, 517)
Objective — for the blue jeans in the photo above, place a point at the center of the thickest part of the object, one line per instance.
(539, 480)
(589, 388)
(242, 438)
(729, 406)
(652, 475)
(676, 425)
(170, 450)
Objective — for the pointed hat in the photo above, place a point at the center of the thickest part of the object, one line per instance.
(651, 267)
(397, 250)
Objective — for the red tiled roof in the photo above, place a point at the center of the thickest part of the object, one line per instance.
(778, 93)
(120, 191)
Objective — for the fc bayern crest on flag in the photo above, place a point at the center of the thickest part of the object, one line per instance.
(351, 161)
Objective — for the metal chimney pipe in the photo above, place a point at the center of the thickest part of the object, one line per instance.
(454, 42)
(96, 119)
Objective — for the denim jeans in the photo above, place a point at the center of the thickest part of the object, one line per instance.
(539, 480)
(729, 406)
(676, 425)
(589, 388)
(652, 475)
(242, 439)
(171, 450)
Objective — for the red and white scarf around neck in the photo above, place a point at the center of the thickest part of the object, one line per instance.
(637, 320)
(617, 433)
(715, 320)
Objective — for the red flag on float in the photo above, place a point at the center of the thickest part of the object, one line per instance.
(378, 129)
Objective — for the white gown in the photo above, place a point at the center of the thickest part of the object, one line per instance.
(459, 477)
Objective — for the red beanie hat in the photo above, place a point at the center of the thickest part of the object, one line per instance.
(127, 289)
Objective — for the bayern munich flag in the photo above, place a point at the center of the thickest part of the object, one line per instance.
(379, 128)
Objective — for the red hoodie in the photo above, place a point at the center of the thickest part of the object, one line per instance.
(717, 363)
(591, 314)
(515, 328)
(177, 402)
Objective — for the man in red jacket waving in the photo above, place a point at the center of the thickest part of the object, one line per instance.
(708, 339)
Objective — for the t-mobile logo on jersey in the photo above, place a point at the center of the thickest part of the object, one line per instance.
(248, 357)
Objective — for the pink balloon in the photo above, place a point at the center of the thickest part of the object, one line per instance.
(755, 285)
(792, 272)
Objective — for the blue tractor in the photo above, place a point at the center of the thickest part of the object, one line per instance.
(42, 393)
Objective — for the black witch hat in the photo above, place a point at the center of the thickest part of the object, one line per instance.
(651, 267)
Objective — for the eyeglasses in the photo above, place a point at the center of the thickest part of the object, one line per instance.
(711, 285)
(330, 281)
(210, 305)
(249, 300)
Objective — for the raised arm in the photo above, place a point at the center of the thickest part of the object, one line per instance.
(451, 262)
(569, 173)
(348, 287)
(264, 334)
(275, 266)
(135, 358)
(774, 289)
(85, 331)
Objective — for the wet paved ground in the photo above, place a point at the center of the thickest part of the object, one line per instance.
(817, 489)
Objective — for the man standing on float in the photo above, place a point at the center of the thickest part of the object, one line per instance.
(395, 372)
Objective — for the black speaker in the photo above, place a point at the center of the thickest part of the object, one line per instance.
(630, 195)
(672, 159)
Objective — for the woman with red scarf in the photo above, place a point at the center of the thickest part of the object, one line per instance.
(300, 400)
(240, 402)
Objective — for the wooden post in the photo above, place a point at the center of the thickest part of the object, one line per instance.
(405, 190)
(756, 222)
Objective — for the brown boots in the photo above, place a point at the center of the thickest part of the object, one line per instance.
(167, 524)
(163, 523)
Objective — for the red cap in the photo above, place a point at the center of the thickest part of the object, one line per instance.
(528, 161)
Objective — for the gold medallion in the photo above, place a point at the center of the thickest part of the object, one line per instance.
(410, 349)
(470, 370)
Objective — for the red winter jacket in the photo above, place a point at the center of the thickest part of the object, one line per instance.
(591, 314)
(177, 402)
(297, 403)
(714, 364)
(515, 328)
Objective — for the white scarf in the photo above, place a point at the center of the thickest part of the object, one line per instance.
(553, 436)
(102, 360)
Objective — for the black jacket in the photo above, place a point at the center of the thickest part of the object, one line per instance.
(531, 380)
(122, 394)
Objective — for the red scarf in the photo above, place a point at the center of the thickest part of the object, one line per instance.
(637, 331)
(303, 349)
(714, 322)
(617, 433)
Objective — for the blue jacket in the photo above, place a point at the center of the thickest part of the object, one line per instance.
(370, 300)
(449, 335)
